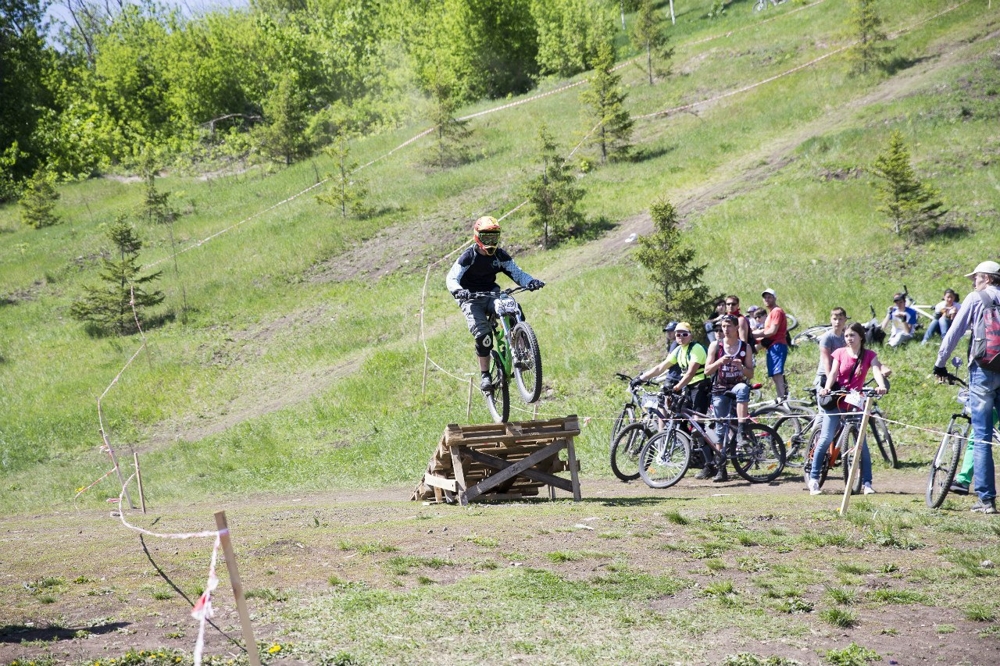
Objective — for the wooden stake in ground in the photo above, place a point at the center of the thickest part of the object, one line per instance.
(138, 479)
(234, 578)
(423, 383)
(862, 436)
(468, 409)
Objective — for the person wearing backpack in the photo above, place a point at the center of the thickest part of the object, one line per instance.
(980, 313)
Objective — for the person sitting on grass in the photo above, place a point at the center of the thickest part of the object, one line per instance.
(944, 314)
(849, 368)
(903, 320)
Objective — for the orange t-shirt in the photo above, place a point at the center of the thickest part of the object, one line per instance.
(776, 317)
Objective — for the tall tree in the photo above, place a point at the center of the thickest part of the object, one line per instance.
(913, 207)
(678, 292)
(24, 63)
(115, 305)
(649, 34)
(610, 124)
(569, 34)
(871, 45)
(553, 194)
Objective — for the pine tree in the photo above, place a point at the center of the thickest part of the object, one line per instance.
(612, 123)
(913, 207)
(553, 195)
(451, 134)
(284, 137)
(108, 307)
(871, 45)
(347, 192)
(38, 201)
(678, 291)
(649, 34)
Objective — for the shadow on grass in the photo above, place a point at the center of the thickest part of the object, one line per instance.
(19, 633)
(900, 63)
(646, 154)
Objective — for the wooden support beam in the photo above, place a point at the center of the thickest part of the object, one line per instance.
(533, 474)
(511, 471)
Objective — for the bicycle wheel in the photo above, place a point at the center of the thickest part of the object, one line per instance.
(664, 458)
(848, 439)
(790, 427)
(625, 417)
(527, 361)
(498, 400)
(760, 454)
(790, 322)
(945, 462)
(824, 464)
(759, 5)
(625, 450)
(811, 334)
(883, 438)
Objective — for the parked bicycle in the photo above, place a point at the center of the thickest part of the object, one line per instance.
(794, 420)
(761, 5)
(845, 440)
(873, 331)
(515, 354)
(758, 455)
(637, 422)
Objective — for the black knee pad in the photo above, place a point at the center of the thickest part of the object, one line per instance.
(484, 343)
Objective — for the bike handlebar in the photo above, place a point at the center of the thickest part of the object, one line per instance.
(507, 292)
(954, 379)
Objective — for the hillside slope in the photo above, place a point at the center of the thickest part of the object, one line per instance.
(301, 362)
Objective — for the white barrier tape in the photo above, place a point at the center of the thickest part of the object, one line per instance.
(202, 610)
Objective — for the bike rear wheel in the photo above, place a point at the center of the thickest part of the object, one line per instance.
(760, 454)
(883, 438)
(811, 334)
(498, 400)
(625, 450)
(945, 462)
(527, 361)
(791, 427)
(848, 440)
(664, 458)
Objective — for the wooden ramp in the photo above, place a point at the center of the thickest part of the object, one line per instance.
(501, 461)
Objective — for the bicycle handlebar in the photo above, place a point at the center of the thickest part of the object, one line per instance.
(507, 292)
(954, 379)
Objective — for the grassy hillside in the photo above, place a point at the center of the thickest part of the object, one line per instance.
(300, 364)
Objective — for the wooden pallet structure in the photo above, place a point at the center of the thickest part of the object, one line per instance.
(501, 461)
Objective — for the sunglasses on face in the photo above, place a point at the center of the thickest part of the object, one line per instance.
(681, 334)
(731, 305)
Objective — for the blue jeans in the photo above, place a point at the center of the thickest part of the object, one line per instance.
(984, 393)
(831, 422)
(939, 325)
(724, 407)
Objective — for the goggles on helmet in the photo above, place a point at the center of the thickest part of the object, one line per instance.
(489, 238)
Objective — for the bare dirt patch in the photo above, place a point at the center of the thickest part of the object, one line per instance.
(78, 587)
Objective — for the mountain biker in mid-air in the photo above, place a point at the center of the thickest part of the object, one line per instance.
(476, 270)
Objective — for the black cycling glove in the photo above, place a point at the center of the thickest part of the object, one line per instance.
(462, 294)
(940, 372)
(535, 285)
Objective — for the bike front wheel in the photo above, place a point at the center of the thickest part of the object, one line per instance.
(527, 361)
(626, 417)
(945, 462)
(824, 464)
(664, 458)
(883, 438)
(760, 454)
(625, 451)
(848, 440)
(791, 427)
(498, 399)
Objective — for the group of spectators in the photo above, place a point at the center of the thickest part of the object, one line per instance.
(722, 373)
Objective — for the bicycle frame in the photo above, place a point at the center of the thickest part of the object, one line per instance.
(503, 324)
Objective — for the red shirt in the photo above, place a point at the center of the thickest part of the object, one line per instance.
(777, 317)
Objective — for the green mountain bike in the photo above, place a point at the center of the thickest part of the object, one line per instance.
(515, 355)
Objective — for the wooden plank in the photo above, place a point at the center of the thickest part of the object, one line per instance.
(456, 461)
(574, 473)
(513, 470)
(439, 482)
(533, 474)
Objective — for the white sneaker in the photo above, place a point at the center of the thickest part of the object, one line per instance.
(867, 489)
(813, 485)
